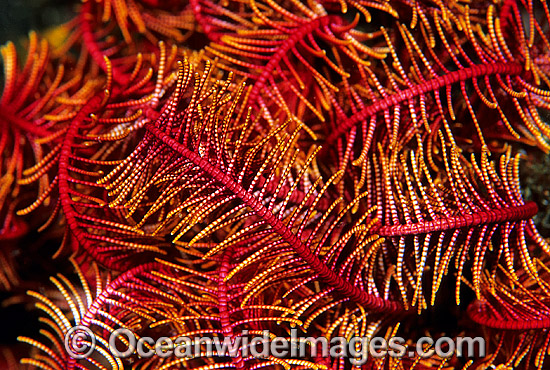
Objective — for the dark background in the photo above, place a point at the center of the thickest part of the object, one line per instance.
(18, 17)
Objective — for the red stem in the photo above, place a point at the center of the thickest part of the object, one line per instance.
(227, 328)
(64, 178)
(282, 50)
(421, 89)
(6, 115)
(96, 53)
(106, 292)
(369, 301)
(499, 215)
(478, 315)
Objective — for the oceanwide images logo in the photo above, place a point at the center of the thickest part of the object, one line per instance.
(80, 342)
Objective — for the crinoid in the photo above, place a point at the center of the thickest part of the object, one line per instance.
(322, 169)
